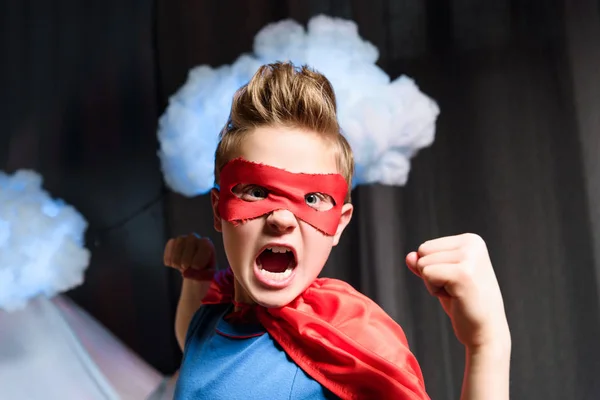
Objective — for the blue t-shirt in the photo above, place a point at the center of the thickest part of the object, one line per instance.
(223, 360)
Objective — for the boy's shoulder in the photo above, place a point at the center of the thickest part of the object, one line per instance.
(332, 288)
(333, 322)
(339, 304)
(244, 357)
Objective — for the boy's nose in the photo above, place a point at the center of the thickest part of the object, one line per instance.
(282, 221)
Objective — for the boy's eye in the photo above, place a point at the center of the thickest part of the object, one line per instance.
(250, 192)
(319, 201)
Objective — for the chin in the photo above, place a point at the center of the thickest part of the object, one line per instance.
(273, 299)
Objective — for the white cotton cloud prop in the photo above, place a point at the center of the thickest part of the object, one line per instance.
(41, 241)
(386, 121)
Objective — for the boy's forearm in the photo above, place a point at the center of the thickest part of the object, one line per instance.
(190, 300)
(487, 373)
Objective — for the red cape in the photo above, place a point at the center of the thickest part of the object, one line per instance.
(339, 337)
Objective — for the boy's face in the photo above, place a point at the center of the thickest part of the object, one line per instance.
(277, 255)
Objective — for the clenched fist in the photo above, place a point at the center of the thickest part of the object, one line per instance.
(191, 255)
(458, 270)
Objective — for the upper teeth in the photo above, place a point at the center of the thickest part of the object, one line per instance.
(278, 249)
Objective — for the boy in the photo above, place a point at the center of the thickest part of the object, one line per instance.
(267, 327)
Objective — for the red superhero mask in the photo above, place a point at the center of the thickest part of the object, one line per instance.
(284, 191)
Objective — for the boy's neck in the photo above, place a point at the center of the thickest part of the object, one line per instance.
(240, 296)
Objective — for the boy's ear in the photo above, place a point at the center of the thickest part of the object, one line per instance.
(347, 210)
(214, 198)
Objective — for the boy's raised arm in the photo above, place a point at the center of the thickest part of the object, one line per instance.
(190, 300)
(458, 271)
(487, 373)
(194, 257)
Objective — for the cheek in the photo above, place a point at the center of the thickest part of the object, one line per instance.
(239, 239)
(317, 246)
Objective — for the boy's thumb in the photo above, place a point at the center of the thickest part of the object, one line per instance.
(411, 262)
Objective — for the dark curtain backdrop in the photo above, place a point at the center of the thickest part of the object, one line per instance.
(79, 104)
(515, 160)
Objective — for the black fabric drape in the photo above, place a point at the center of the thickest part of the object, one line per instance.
(515, 160)
(79, 105)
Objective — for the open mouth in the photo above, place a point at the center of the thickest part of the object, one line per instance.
(276, 263)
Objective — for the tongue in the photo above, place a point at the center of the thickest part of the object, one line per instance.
(274, 262)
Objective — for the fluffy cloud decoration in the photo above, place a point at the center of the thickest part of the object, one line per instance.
(41, 250)
(386, 121)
